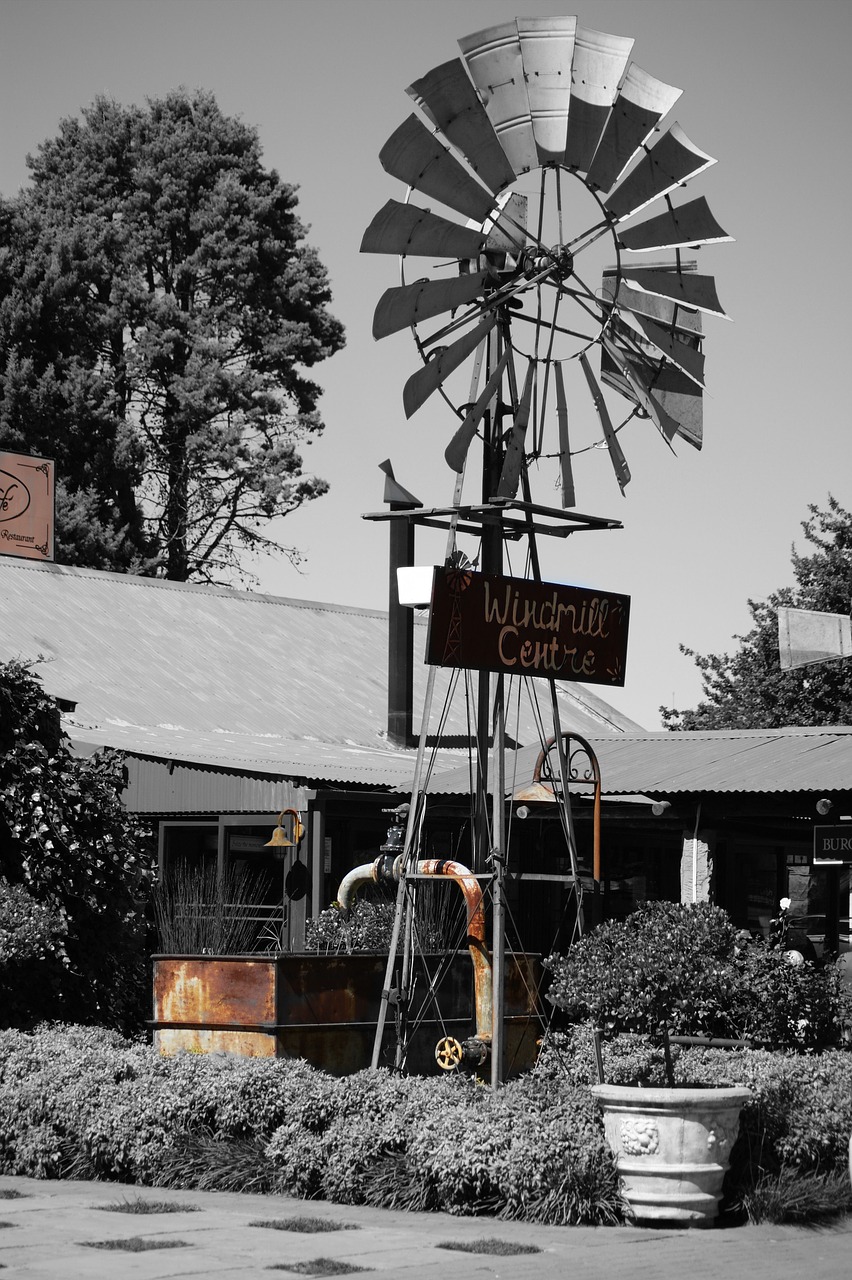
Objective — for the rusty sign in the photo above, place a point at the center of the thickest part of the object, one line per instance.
(518, 627)
(26, 506)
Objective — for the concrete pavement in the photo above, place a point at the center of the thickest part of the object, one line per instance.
(48, 1227)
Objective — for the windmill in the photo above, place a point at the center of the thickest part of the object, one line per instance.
(547, 141)
(544, 304)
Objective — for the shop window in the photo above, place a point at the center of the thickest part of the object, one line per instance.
(188, 845)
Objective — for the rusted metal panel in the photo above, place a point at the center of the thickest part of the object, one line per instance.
(324, 1008)
(215, 991)
(244, 1044)
(522, 984)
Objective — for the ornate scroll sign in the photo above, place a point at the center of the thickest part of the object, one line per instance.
(26, 506)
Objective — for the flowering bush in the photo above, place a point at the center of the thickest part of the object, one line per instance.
(67, 842)
(687, 970)
(29, 930)
(366, 927)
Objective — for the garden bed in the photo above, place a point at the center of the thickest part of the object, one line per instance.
(81, 1102)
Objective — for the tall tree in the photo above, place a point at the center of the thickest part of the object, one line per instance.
(158, 309)
(748, 689)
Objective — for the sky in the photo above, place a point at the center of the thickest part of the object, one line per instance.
(766, 91)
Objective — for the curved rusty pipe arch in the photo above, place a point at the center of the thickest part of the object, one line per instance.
(386, 870)
(539, 786)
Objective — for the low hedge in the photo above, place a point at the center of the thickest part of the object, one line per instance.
(82, 1102)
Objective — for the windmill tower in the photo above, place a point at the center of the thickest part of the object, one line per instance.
(550, 313)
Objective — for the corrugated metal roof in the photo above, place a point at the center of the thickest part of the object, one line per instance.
(176, 788)
(723, 761)
(229, 678)
(262, 753)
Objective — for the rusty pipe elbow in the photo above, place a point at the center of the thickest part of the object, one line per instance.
(479, 953)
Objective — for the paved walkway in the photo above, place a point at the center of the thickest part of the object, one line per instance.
(49, 1227)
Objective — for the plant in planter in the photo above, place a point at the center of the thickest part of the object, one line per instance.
(666, 968)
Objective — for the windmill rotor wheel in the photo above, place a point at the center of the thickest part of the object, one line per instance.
(449, 1053)
(547, 142)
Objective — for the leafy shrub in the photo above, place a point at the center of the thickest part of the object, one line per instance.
(440, 922)
(83, 1102)
(29, 930)
(366, 927)
(687, 969)
(66, 840)
(78, 1102)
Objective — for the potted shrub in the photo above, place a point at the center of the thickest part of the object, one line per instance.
(667, 968)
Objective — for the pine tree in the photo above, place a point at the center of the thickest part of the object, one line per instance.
(158, 308)
(748, 689)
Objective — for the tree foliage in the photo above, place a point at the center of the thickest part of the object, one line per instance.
(158, 309)
(75, 871)
(747, 689)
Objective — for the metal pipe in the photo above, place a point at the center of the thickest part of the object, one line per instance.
(367, 873)
(479, 954)
(386, 870)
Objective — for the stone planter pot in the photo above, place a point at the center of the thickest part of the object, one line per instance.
(673, 1148)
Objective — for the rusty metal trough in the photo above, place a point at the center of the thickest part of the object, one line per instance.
(325, 1008)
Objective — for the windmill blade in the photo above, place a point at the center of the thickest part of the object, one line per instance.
(510, 476)
(421, 384)
(640, 104)
(691, 224)
(679, 397)
(547, 50)
(409, 304)
(642, 394)
(506, 227)
(676, 396)
(456, 451)
(566, 471)
(665, 311)
(687, 358)
(696, 292)
(496, 66)
(597, 67)
(405, 229)
(446, 96)
(416, 157)
(672, 160)
(619, 462)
